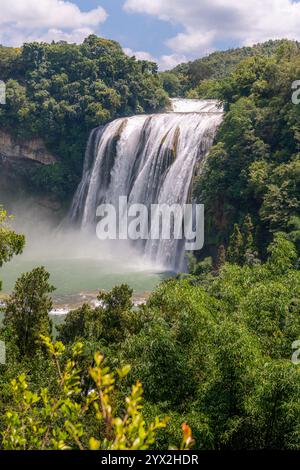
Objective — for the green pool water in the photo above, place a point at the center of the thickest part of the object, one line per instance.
(80, 266)
(78, 280)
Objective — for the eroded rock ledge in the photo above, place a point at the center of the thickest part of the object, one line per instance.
(34, 149)
(19, 160)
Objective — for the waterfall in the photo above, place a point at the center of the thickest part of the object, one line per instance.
(151, 159)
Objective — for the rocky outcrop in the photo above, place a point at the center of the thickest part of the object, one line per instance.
(19, 162)
(33, 149)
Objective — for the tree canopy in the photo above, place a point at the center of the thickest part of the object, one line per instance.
(253, 168)
(213, 352)
(61, 91)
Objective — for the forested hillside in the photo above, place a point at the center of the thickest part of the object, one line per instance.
(254, 167)
(185, 77)
(61, 91)
(252, 175)
(214, 354)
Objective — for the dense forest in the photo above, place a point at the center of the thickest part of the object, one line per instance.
(254, 167)
(61, 91)
(221, 341)
(217, 350)
(183, 79)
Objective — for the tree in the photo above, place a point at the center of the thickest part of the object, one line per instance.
(199, 268)
(79, 323)
(223, 346)
(254, 166)
(294, 231)
(273, 406)
(42, 421)
(108, 322)
(237, 356)
(26, 312)
(250, 252)
(198, 71)
(247, 230)
(283, 254)
(235, 252)
(221, 258)
(11, 243)
(116, 305)
(171, 84)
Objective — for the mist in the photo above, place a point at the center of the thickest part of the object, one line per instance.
(79, 264)
(49, 238)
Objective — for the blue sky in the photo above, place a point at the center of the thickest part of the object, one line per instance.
(139, 32)
(167, 31)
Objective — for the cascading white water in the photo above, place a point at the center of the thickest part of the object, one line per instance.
(181, 105)
(151, 160)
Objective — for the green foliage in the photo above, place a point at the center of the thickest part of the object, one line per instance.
(26, 312)
(283, 254)
(61, 91)
(200, 77)
(171, 84)
(11, 243)
(212, 350)
(221, 258)
(241, 249)
(199, 268)
(216, 346)
(235, 249)
(107, 323)
(59, 422)
(254, 166)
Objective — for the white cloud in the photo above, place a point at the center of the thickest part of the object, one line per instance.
(191, 41)
(207, 23)
(140, 55)
(164, 62)
(47, 20)
(167, 62)
(76, 35)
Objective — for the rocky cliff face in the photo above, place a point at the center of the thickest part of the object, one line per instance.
(34, 149)
(19, 159)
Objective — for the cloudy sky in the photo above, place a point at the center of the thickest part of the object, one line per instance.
(168, 31)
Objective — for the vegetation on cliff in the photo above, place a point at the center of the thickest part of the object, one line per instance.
(254, 167)
(61, 91)
(253, 170)
(183, 79)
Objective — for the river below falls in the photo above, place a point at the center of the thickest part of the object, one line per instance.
(78, 281)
